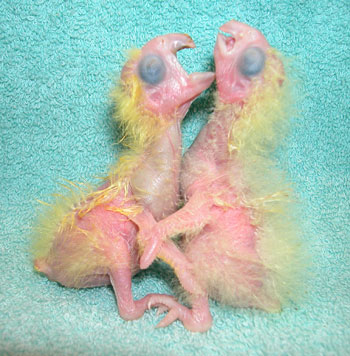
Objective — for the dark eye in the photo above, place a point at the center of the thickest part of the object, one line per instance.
(252, 61)
(151, 69)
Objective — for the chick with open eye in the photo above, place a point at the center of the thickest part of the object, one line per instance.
(240, 241)
(89, 238)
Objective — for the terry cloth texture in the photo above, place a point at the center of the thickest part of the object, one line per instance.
(58, 60)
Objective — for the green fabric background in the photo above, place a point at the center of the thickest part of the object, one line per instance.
(57, 64)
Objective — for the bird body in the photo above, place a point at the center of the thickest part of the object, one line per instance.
(90, 238)
(240, 239)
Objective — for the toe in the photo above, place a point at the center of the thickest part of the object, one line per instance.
(162, 309)
(168, 319)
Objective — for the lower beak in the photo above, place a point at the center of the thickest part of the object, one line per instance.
(198, 82)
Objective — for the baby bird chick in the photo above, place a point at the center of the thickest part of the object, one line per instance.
(239, 241)
(90, 240)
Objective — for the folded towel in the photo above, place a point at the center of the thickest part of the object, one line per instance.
(58, 60)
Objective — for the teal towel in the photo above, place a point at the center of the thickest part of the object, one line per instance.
(58, 60)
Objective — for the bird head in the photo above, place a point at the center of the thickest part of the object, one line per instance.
(241, 58)
(165, 89)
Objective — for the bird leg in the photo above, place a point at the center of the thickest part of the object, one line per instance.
(198, 318)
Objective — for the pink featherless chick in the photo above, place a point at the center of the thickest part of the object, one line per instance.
(89, 238)
(240, 241)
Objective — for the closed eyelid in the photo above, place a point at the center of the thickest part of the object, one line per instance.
(252, 61)
(151, 69)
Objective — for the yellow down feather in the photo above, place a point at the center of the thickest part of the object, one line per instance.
(140, 129)
(261, 125)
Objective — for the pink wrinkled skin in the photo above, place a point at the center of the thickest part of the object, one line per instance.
(117, 242)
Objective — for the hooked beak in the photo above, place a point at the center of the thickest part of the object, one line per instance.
(197, 82)
(236, 29)
(178, 89)
(226, 44)
(171, 42)
(238, 35)
(179, 41)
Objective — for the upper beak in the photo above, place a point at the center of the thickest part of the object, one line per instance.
(178, 41)
(240, 32)
(198, 82)
(235, 28)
